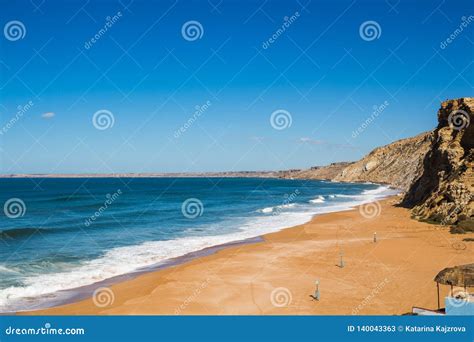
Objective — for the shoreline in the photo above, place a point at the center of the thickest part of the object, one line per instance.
(77, 293)
(207, 284)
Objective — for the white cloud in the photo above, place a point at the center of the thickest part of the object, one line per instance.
(310, 141)
(48, 115)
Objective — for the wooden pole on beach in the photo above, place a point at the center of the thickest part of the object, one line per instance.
(437, 285)
(341, 261)
(375, 237)
(316, 293)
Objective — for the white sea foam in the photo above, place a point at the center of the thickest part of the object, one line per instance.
(377, 191)
(319, 199)
(5, 269)
(370, 195)
(278, 207)
(123, 260)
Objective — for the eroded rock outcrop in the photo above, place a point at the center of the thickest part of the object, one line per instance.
(328, 172)
(435, 169)
(444, 191)
(398, 164)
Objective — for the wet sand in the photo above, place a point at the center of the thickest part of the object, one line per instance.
(277, 276)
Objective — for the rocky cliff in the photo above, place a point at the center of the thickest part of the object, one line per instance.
(444, 193)
(398, 164)
(328, 172)
(435, 169)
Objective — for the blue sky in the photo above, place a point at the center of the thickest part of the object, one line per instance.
(142, 70)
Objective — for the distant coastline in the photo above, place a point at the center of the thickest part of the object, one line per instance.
(269, 174)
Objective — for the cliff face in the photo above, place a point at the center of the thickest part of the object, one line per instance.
(435, 169)
(328, 172)
(397, 164)
(444, 193)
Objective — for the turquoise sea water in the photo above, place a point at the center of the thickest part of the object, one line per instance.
(58, 234)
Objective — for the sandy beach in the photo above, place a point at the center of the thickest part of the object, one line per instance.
(277, 276)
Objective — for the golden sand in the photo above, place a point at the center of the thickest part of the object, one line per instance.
(278, 276)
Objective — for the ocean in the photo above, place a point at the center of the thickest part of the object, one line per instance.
(58, 234)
